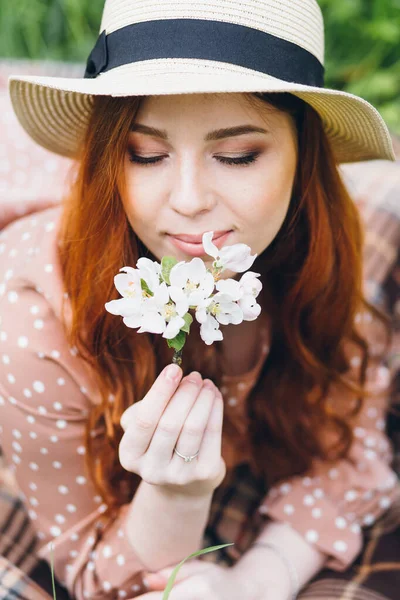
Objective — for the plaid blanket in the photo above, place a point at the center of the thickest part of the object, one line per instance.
(375, 575)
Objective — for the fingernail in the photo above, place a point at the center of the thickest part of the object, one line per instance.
(172, 372)
(208, 384)
(153, 579)
(194, 377)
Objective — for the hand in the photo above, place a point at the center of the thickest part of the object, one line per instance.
(157, 580)
(197, 580)
(187, 414)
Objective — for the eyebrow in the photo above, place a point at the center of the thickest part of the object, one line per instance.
(218, 134)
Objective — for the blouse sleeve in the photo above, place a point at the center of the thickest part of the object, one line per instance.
(44, 405)
(331, 503)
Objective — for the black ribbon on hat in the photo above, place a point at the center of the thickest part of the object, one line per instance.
(208, 40)
(98, 58)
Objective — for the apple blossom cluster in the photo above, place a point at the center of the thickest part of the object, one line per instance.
(156, 297)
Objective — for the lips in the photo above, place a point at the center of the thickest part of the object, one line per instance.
(197, 239)
(197, 248)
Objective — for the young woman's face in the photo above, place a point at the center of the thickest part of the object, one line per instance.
(188, 186)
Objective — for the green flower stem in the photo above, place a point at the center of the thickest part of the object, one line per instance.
(177, 358)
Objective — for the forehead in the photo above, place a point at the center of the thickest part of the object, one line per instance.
(203, 109)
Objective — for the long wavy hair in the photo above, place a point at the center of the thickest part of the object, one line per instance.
(314, 272)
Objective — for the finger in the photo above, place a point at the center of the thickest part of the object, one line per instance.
(190, 438)
(141, 421)
(190, 567)
(141, 432)
(155, 582)
(159, 394)
(172, 421)
(212, 439)
(154, 402)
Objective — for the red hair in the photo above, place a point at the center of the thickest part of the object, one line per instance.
(314, 273)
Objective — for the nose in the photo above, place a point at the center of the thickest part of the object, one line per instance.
(190, 195)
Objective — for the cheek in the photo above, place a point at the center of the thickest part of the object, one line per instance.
(269, 207)
(266, 213)
(272, 203)
(138, 200)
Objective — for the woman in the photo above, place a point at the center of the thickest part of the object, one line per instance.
(235, 135)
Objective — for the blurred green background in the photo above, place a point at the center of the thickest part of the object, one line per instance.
(362, 42)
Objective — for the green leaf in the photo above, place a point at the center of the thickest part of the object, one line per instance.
(167, 262)
(174, 573)
(178, 341)
(188, 321)
(145, 287)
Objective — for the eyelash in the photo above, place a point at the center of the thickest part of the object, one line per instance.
(241, 161)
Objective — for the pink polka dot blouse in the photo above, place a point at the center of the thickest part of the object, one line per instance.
(46, 392)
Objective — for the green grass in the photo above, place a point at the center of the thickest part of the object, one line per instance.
(362, 42)
(171, 578)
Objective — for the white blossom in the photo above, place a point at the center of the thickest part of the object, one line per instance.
(150, 304)
(250, 287)
(237, 258)
(150, 271)
(160, 315)
(191, 283)
(129, 286)
(244, 292)
(220, 309)
(210, 332)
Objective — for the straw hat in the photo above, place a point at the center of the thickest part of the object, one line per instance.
(199, 46)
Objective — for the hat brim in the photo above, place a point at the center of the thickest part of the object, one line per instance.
(55, 111)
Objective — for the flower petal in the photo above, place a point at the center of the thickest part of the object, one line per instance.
(251, 309)
(195, 298)
(237, 315)
(123, 306)
(229, 287)
(208, 285)
(178, 274)
(128, 283)
(237, 257)
(173, 327)
(152, 322)
(250, 284)
(223, 318)
(209, 247)
(176, 293)
(201, 315)
(161, 295)
(182, 307)
(210, 332)
(150, 272)
(133, 321)
(196, 270)
(241, 265)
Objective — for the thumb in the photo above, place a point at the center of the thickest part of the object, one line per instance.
(158, 579)
(155, 581)
(191, 567)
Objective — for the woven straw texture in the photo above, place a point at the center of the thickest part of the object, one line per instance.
(297, 21)
(54, 110)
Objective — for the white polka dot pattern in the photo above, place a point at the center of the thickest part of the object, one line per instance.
(44, 413)
(45, 409)
(330, 507)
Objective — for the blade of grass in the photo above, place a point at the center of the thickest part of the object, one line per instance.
(52, 572)
(171, 579)
(174, 573)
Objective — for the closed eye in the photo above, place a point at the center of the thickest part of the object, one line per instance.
(244, 160)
